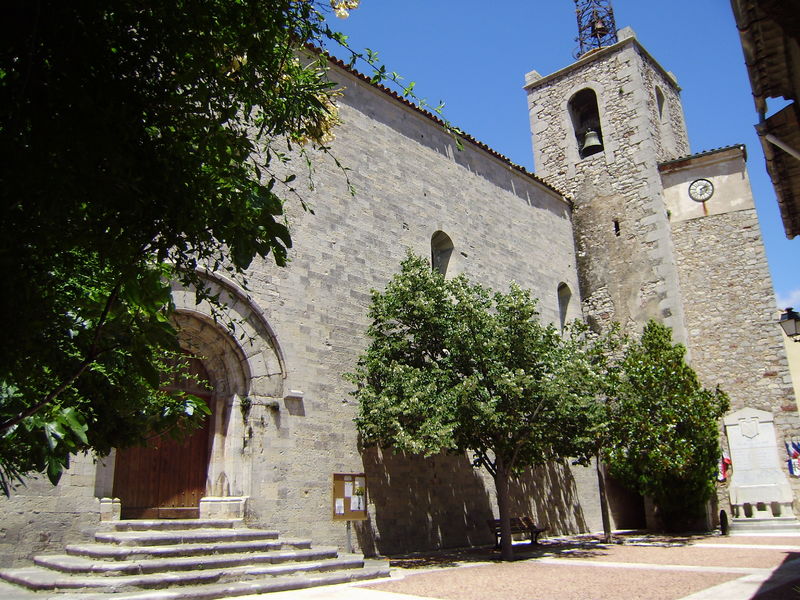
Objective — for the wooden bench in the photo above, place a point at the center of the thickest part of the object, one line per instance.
(518, 525)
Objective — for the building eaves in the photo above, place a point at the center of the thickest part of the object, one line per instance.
(770, 36)
(691, 157)
(778, 133)
(441, 123)
(769, 31)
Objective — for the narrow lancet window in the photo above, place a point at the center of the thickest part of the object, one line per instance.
(660, 103)
(441, 251)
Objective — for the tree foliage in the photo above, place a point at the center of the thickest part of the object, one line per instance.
(141, 143)
(664, 439)
(453, 366)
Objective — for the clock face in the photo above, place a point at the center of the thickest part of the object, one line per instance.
(701, 190)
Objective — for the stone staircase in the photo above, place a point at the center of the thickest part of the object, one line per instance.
(187, 559)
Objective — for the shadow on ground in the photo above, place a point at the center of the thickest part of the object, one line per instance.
(784, 583)
(584, 546)
(460, 557)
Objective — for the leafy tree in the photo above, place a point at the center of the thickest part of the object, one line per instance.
(453, 366)
(141, 143)
(664, 440)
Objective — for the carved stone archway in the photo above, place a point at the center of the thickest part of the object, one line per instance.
(245, 367)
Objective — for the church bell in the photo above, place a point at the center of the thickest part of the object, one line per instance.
(591, 143)
(599, 28)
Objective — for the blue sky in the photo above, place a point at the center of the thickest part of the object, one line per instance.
(473, 55)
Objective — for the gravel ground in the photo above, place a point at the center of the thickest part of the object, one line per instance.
(652, 568)
(714, 557)
(748, 540)
(531, 581)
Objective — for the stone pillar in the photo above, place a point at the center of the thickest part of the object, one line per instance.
(110, 509)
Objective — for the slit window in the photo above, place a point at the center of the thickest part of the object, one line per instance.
(564, 296)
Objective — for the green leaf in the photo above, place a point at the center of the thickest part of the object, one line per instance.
(75, 422)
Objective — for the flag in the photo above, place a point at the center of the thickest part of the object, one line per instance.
(793, 450)
(724, 467)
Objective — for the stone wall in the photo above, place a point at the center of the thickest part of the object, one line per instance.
(40, 517)
(734, 340)
(731, 315)
(410, 181)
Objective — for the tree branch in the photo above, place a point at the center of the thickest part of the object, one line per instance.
(91, 356)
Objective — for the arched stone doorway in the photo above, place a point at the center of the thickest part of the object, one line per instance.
(237, 353)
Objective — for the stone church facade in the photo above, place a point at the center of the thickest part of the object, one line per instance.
(606, 235)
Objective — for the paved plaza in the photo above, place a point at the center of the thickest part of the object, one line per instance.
(649, 567)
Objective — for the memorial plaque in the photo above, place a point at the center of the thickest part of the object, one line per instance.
(757, 475)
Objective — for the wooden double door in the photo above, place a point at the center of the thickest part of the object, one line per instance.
(166, 478)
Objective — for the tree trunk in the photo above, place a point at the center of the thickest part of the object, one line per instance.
(504, 509)
(601, 484)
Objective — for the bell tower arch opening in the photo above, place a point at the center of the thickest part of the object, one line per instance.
(660, 100)
(585, 118)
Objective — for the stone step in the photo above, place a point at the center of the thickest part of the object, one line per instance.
(765, 525)
(244, 588)
(182, 536)
(116, 552)
(204, 559)
(78, 564)
(42, 579)
(169, 524)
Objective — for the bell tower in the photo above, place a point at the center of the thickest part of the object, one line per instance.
(661, 233)
(600, 128)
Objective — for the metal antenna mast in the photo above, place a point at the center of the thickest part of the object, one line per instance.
(596, 27)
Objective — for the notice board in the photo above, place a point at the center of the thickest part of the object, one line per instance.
(349, 497)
